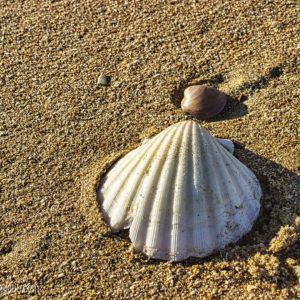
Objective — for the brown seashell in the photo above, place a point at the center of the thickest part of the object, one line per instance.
(203, 102)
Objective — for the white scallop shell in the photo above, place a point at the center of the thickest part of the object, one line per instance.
(182, 194)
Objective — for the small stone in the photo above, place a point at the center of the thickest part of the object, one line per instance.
(60, 275)
(250, 288)
(104, 80)
(3, 133)
(117, 84)
(75, 266)
(63, 264)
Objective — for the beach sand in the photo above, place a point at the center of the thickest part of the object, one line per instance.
(59, 131)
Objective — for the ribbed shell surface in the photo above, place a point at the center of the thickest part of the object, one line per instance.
(181, 194)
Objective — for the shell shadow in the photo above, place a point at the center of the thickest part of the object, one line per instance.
(276, 209)
(234, 108)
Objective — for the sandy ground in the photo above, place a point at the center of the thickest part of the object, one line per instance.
(59, 131)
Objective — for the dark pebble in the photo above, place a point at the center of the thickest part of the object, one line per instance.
(104, 80)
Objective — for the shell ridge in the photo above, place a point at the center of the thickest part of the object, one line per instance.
(178, 202)
(146, 205)
(233, 160)
(137, 186)
(141, 150)
(197, 234)
(231, 174)
(212, 217)
(242, 167)
(234, 223)
(231, 220)
(116, 191)
(249, 186)
(190, 188)
(164, 200)
(207, 145)
(192, 232)
(242, 172)
(138, 156)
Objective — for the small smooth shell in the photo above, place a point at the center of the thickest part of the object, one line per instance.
(203, 102)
